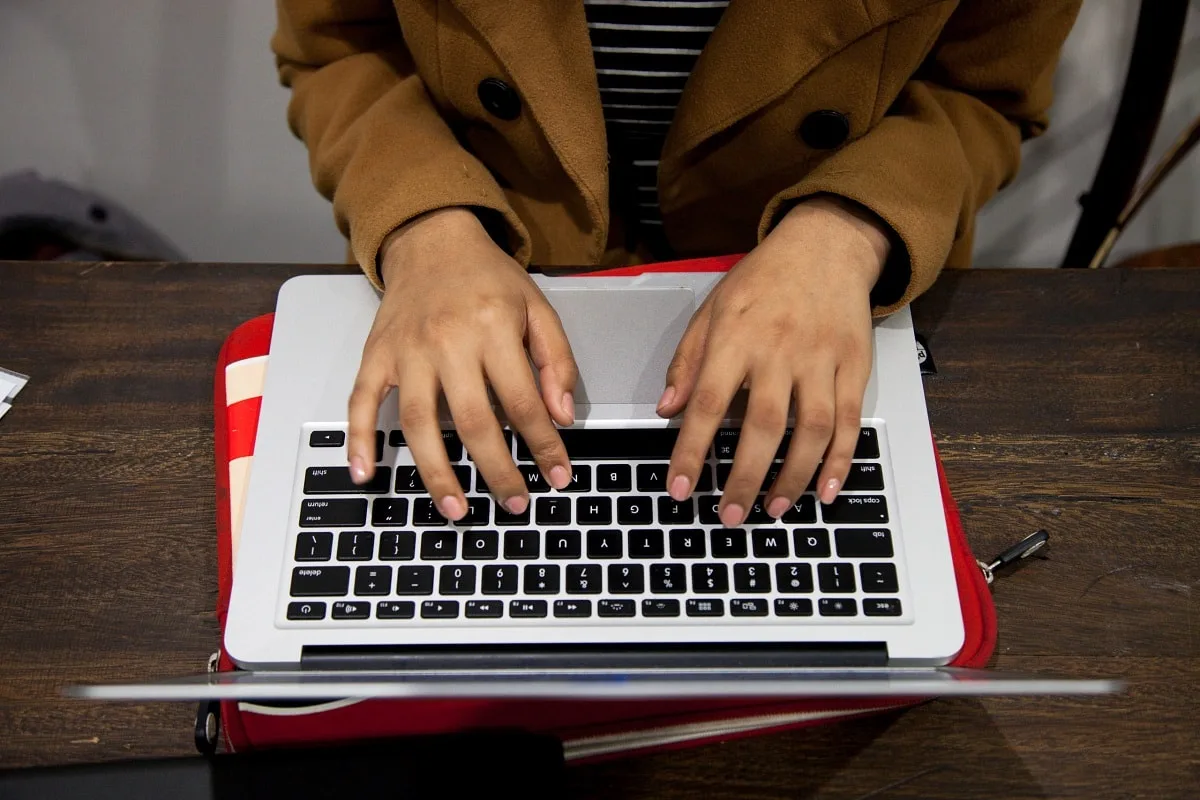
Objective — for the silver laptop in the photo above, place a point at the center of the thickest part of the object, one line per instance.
(608, 588)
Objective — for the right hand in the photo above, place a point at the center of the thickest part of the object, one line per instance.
(457, 315)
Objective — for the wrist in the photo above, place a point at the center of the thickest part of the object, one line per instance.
(424, 232)
(864, 232)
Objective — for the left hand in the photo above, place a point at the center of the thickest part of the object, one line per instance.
(791, 321)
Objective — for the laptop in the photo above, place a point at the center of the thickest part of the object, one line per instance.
(608, 588)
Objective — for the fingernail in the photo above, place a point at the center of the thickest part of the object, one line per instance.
(358, 470)
(568, 406)
(516, 505)
(559, 477)
(731, 516)
(681, 487)
(829, 493)
(667, 397)
(778, 506)
(451, 507)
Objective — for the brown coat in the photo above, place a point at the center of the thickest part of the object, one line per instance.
(939, 95)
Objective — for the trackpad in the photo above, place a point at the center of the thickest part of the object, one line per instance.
(623, 339)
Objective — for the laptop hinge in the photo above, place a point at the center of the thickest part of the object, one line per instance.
(766, 655)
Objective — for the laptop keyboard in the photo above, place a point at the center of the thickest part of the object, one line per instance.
(610, 548)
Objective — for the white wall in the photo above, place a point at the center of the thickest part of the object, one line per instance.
(172, 108)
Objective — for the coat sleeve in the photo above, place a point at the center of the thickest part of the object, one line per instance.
(378, 148)
(951, 140)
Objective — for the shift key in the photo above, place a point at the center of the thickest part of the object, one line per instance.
(336, 513)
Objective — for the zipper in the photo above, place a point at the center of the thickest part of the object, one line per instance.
(208, 716)
(1022, 549)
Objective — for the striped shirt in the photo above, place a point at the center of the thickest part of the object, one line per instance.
(644, 51)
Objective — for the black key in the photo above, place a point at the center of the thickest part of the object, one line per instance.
(673, 512)
(326, 439)
(837, 607)
(348, 513)
(687, 543)
(728, 543)
(397, 546)
(613, 444)
(725, 443)
(457, 579)
(879, 577)
(396, 438)
(614, 478)
(802, 512)
(542, 578)
(742, 607)
(371, 581)
(439, 609)
(604, 544)
(646, 543)
(414, 580)
(652, 477)
(425, 513)
(463, 473)
(869, 509)
(553, 511)
(708, 578)
(864, 478)
(484, 609)
(482, 545)
(527, 609)
(534, 480)
(794, 578)
(793, 607)
(314, 546)
(310, 610)
(581, 479)
(882, 607)
(751, 578)
(564, 544)
(351, 609)
(356, 546)
(439, 545)
(572, 609)
(723, 471)
(320, 581)
(770, 543)
(615, 608)
(499, 579)
(378, 446)
(389, 512)
(521, 544)
(336, 480)
(635, 510)
(836, 578)
(454, 447)
(811, 542)
(868, 444)
(758, 513)
(668, 578)
(408, 481)
(626, 579)
(503, 517)
(705, 482)
(659, 607)
(593, 510)
(863, 542)
(705, 608)
(395, 609)
(479, 512)
(583, 579)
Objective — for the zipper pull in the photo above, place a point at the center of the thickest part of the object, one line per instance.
(208, 717)
(1022, 549)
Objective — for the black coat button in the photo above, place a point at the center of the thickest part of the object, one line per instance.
(825, 130)
(500, 99)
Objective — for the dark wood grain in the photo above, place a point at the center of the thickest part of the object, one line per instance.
(1066, 400)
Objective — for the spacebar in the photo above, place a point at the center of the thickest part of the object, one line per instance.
(617, 444)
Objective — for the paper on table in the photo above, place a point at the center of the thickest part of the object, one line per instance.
(4, 407)
(11, 383)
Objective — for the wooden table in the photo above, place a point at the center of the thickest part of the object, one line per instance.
(1065, 400)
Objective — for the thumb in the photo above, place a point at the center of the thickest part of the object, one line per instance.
(552, 356)
(685, 366)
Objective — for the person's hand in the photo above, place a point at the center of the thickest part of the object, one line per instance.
(457, 315)
(791, 322)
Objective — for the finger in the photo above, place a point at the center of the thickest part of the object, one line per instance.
(719, 378)
(423, 436)
(762, 429)
(371, 384)
(685, 366)
(850, 384)
(467, 396)
(508, 372)
(810, 437)
(551, 354)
